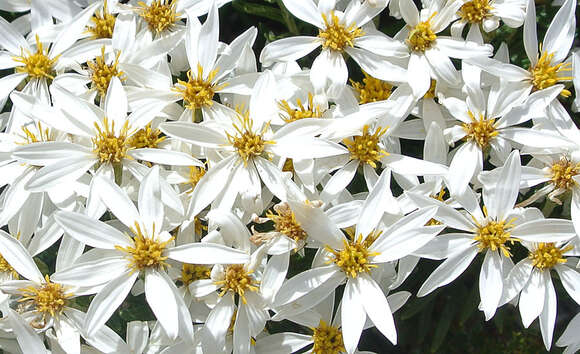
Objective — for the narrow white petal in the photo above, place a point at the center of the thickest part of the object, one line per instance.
(10, 39)
(544, 230)
(9, 82)
(116, 105)
(317, 224)
(26, 336)
(306, 10)
(196, 134)
(548, 315)
(208, 40)
(92, 273)
(570, 280)
(504, 196)
(117, 201)
(150, 204)
(339, 181)
(353, 316)
(530, 35)
(288, 49)
(303, 283)
(211, 185)
(286, 342)
(377, 307)
(409, 165)
(532, 298)
(19, 258)
(372, 209)
(207, 253)
(490, 283)
(93, 232)
(65, 171)
(159, 297)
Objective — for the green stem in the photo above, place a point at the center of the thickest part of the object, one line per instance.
(288, 19)
(118, 171)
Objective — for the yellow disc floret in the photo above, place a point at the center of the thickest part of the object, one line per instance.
(292, 114)
(494, 235)
(365, 147)
(102, 73)
(545, 75)
(285, 222)
(146, 138)
(6, 268)
(160, 15)
(547, 255)
(193, 272)
(246, 142)
(110, 147)
(371, 89)
(42, 134)
(103, 24)
(194, 176)
(37, 65)
(562, 173)
(237, 280)
(327, 339)
(336, 35)
(354, 257)
(146, 252)
(421, 37)
(198, 91)
(475, 11)
(480, 130)
(48, 300)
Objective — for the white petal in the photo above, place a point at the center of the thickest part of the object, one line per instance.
(116, 105)
(286, 342)
(158, 296)
(27, 337)
(150, 204)
(408, 165)
(490, 283)
(117, 201)
(466, 162)
(544, 230)
(73, 31)
(90, 231)
(560, 33)
(409, 12)
(532, 298)
(503, 199)
(442, 67)
(516, 279)
(305, 10)
(207, 253)
(64, 171)
(196, 134)
(9, 82)
(46, 153)
(548, 315)
(306, 148)
(10, 39)
(419, 74)
(376, 65)
(19, 258)
(353, 316)
(92, 273)
(288, 49)
(317, 224)
(339, 181)
(165, 157)
(372, 209)
(304, 283)
(376, 306)
(570, 280)
(530, 36)
(210, 185)
(208, 40)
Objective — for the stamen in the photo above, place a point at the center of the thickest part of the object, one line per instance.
(545, 75)
(475, 11)
(48, 300)
(30, 137)
(37, 65)
(198, 92)
(371, 89)
(422, 36)
(193, 272)
(562, 173)
(494, 235)
(366, 147)
(336, 35)
(146, 138)
(354, 258)
(246, 142)
(160, 15)
(547, 255)
(481, 131)
(104, 23)
(147, 252)
(108, 146)
(238, 280)
(327, 339)
(293, 114)
(285, 222)
(102, 73)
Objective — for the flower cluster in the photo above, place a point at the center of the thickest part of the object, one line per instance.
(144, 160)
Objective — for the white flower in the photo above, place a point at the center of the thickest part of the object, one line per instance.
(488, 13)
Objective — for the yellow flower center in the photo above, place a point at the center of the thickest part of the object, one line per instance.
(160, 15)
(292, 114)
(562, 173)
(146, 252)
(103, 24)
(366, 147)
(198, 92)
(246, 142)
(193, 272)
(354, 257)
(108, 146)
(480, 130)
(42, 135)
(146, 138)
(237, 280)
(336, 36)
(431, 92)
(371, 89)
(547, 255)
(195, 175)
(544, 74)
(49, 299)
(285, 222)
(494, 235)
(36, 65)
(327, 339)
(102, 73)
(422, 36)
(475, 11)
(5, 267)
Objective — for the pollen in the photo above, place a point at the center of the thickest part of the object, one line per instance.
(422, 36)
(147, 252)
(480, 130)
(37, 65)
(237, 280)
(41, 134)
(547, 255)
(475, 11)
(494, 235)
(103, 24)
(193, 272)
(198, 92)
(146, 138)
(336, 36)
(160, 15)
(48, 300)
(545, 75)
(371, 89)
(102, 73)
(108, 146)
(194, 176)
(248, 143)
(292, 114)
(6, 268)
(366, 147)
(327, 339)
(285, 222)
(562, 173)
(353, 259)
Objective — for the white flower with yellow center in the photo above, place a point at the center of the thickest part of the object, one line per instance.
(548, 65)
(429, 52)
(352, 260)
(339, 33)
(493, 232)
(118, 258)
(531, 279)
(487, 14)
(103, 138)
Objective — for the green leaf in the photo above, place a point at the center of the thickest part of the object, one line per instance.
(269, 12)
(444, 323)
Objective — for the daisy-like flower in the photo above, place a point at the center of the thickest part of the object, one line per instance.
(118, 259)
(104, 138)
(547, 66)
(351, 260)
(531, 279)
(430, 53)
(339, 33)
(491, 232)
(488, 13)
